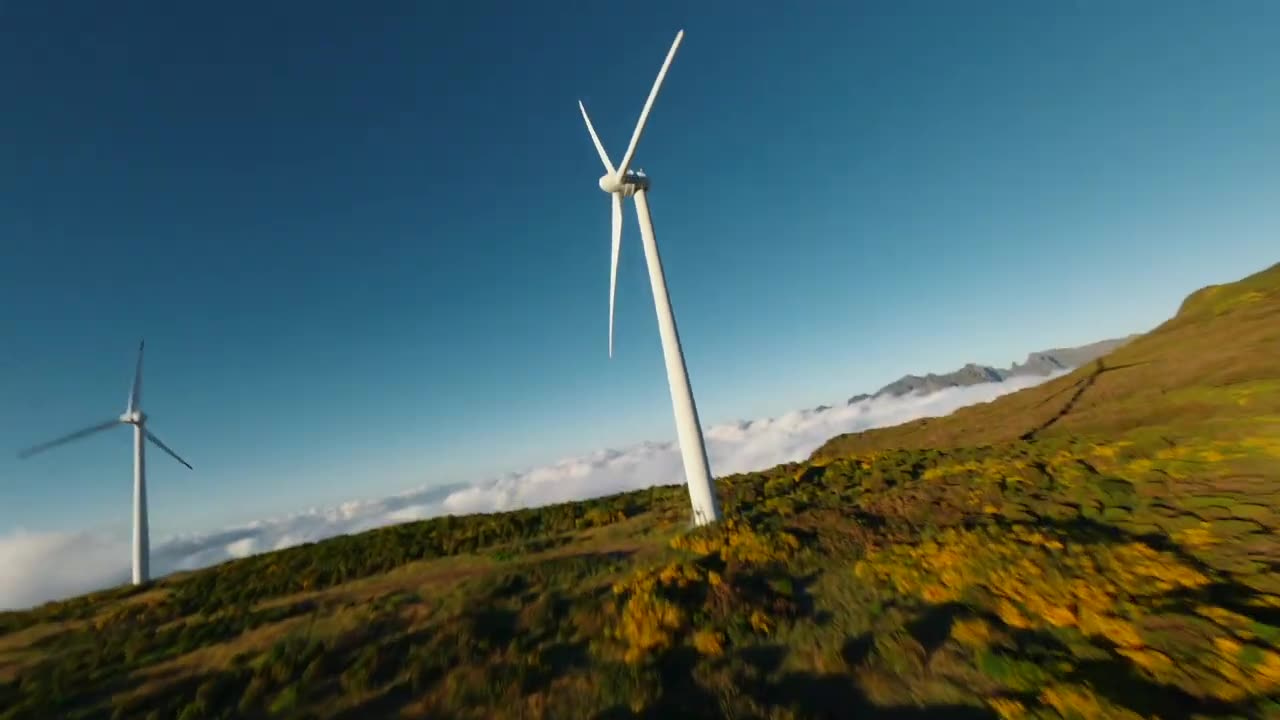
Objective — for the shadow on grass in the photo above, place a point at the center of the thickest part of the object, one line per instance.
(763, 659)
(807, 695)
(1119, 683)
(681, 696)
(385, 704)
(857, 649)
(933, 627)
(836, 695)
(1227, 595)
(557, 661)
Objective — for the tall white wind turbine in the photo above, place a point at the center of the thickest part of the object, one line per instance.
(134, 416)
(621, 182)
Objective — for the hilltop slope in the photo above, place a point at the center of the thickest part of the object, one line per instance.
(1103, 545)
(1224, 336)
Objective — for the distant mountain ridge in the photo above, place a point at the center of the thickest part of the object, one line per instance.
(1042, 363)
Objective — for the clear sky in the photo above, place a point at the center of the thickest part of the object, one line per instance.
(366, 248)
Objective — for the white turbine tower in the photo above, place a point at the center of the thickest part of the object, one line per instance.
(134, 416)
(621, 182)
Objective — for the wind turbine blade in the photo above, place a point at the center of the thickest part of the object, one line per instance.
(604, 157)
(167, 449)
(68, 438)
(613, 265)
(135, 393)
(648, 105)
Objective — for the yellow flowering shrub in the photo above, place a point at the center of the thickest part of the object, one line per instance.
(1034, 577)
(1196, 537)
(709, 642)
(648, 624)
(656, 604)
(1035, 581)
(972, 632)
(736, 541)
(1246, 669)
(1073, 701)
(761, 622)
(1007, 708)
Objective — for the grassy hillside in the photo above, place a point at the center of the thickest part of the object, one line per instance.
(1103, 545)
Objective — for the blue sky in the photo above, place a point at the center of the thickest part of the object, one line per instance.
(367, 250)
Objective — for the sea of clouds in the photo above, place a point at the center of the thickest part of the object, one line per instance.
(36, 567)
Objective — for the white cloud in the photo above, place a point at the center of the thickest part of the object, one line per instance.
(35, 567)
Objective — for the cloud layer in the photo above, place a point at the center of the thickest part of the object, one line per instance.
(35, 567)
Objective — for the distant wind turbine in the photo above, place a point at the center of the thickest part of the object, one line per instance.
(134, 416)
(621, 182)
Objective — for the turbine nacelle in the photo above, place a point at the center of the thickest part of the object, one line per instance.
(626, 185)
(135, 417)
